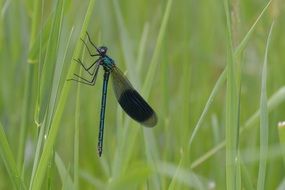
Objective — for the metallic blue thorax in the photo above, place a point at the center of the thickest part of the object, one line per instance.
(107, 63)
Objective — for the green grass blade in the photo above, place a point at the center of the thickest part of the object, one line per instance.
(96, 183)
(264, 131)
(231, 110)
(127, 50)
(154, 61)
(40, 42)
(142, 47)
(35, 21)
(49, 64)
(47, 150)
(25, 116)
(63, 173)
(187, 178)
(9, 159)
(139, 173)
(245, 40)
(274, 101)
(47, 41)
(208, 154)
(210, 100)
(126, 136)
(28, 89)
(76, 138)
(223, 77)
(175, 175)
(76, 141)
(149, 139)
(46, 88)
(37, 153)
(246, 177)
(151, 151)
(281, 133)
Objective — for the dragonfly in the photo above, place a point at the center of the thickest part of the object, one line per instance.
(129, 99)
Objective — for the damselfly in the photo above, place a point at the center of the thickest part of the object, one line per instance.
(129, 99)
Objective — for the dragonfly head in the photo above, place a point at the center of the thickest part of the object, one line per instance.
(102, 50)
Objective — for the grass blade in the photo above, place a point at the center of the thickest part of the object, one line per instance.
(210, 100)
(264, 131)
(245, 40)
(151, 151)
(63, 173)
(217, 87)
(154, 61)
(28, 88)
(76, 138)
(142, 47)
(43, 113)
(127, 50)
(49, 65)
(274, 101)
(188, 178)
(281, 133)
(47, 150)
(232, 111)
(223, 77)
(9, 161)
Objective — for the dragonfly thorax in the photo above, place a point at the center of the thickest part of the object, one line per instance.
(107, 63)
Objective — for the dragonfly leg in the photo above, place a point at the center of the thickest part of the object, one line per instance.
(92, 55)
(84, 80)
(87, 68)
(89, 39)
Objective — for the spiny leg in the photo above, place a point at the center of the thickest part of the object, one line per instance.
(92, 55)
(92, 42)
(88, 68)
(86, 81)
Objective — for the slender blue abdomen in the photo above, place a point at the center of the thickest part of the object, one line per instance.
(102, 113)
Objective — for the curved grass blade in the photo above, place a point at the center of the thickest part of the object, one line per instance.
(222, 79)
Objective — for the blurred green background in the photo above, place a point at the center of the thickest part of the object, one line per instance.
(175, 54)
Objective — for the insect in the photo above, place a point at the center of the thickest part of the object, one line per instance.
(129, 99)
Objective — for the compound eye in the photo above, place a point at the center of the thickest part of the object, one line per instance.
(103, 50)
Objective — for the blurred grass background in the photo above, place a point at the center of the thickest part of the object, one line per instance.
(208, 68)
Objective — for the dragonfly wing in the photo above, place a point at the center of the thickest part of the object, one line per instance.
(131, 101)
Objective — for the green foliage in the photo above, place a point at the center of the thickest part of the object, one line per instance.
(212, 70)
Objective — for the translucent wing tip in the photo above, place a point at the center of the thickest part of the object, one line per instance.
(151, 121)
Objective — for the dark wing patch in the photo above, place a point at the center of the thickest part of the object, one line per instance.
(137, 108)
(131, 101)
